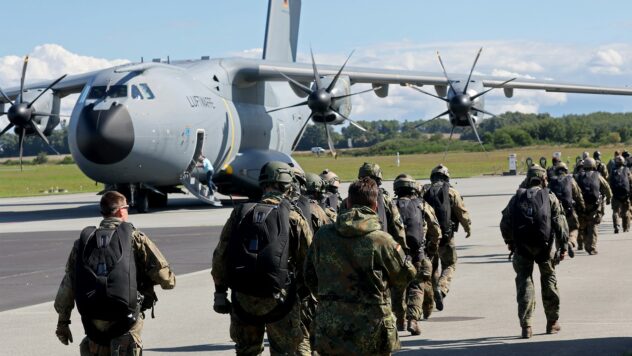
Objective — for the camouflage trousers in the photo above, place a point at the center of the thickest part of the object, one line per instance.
(418, 298)
(621, 208)
(442, 278)
(573, 227)
(286, 336)
(526, 290)
(587, 237)
(128, 344)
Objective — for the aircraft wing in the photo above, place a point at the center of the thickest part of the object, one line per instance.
(70, 85)
(302, 72)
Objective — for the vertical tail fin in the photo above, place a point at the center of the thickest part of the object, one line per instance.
(282, 30)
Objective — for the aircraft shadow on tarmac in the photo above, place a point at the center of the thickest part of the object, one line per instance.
(194, 348)
(538, 345)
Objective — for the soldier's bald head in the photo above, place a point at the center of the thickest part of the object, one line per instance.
(363, 192)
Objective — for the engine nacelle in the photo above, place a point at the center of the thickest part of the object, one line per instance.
(343, 106)
(48, 103)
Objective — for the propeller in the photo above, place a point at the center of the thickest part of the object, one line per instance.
(320, 101)
(21, 113)
(460, 103)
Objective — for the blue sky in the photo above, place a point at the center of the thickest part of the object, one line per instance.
(572, 41)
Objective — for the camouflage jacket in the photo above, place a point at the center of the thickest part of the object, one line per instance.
(559, 226)
(151, 268)
(601, 168)
(320, 216)
(354, 262)
(300, 240)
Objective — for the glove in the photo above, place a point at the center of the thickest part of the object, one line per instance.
(221, 304)
(468, 234)
(63, 332)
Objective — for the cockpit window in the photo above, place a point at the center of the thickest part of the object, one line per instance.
(146, 91)
(115, 91)
(136, 93)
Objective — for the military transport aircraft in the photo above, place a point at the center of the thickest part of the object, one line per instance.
(140, 128)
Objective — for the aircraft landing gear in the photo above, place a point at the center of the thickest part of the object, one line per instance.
(142, 201)
(157, 200)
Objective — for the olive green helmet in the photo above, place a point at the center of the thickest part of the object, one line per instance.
(440, 170)
(299, 175)
(536, 171)
(619, 160)
(314, 183)
(372, 170)
(330, 178)
(561, 167)
(275, 172)
(589, 163)
(405, 181)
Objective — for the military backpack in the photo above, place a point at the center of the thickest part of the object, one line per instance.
(588, 182)
(438, 196)
(562, 187)
(531, 213)
(413, 219)
(619, 182)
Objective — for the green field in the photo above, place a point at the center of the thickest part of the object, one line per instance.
(39, 179)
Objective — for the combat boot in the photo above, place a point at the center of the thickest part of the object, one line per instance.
(438, 297)
(616, 229)
(401, 325)
(526, 332)
(413, 327)
(553, 327)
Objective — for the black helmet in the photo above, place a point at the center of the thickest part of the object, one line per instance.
(597, 155)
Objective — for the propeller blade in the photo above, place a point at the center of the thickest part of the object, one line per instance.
(287, 107)
(427, 93)
(330, 142)
(47, 88)
(472, 70)
(333, 82)
(483, 112)
(6, 97)
(26, 62)
(21, 145)
(445, 73)
(448, 144)
(39, 113)
(490, 89)
(436, 117)
(39, 133)
(348, 119)
(316, 75)
(300, 133)
(352, 94)
(9, 126)
(305, 89)
(469, 118)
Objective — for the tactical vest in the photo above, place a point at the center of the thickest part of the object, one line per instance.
(330, 200)
(531, 223)
(381, 210)
(258, 250)
(304, 205)
(438, 196)
(105, 281)
(619, 182)
(589, 184)
(562, 187)
(413, 219)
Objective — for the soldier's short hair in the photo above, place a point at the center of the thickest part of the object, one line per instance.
(110, 202)
(364, 192)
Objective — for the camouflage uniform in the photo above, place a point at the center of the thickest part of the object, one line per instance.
(590, 218)
(152, 269)
(572, 215)
(286, 335)
(351, 266)
(523, 265)
(621, 208)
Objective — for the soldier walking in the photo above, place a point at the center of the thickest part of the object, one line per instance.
(620, 182)
(354, 312)
(266, 290)
(570, 196)
(110, 274)
(532, 224)
(450, 210)
(594, 188)
(420, 222)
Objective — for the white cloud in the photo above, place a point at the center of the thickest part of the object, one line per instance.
(607, 61)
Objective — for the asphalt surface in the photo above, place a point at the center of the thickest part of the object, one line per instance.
(480, 315)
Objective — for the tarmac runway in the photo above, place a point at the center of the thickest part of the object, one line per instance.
(480, 316)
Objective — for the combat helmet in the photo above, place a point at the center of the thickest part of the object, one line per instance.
(299, 175)
(589, 163)
(314, 183)
(371, 170)
(330, 178)
(536, 172)
(561, 167)
(439, 172)
(619, 160)
(597, 155)
(585, 155)
(276, 172)
(405, 182)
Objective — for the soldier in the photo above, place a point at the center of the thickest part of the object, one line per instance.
(570, 196)
(531, 223)
(579, 165)
(601, 168)
(391, 221)
(111, 286)
(620, 181)
(306, 199)
(450, 210)
(610, 166)
(331, 197)
(315, 187)
(419, 221)
(594, 187)
(550, 172)
(266, 291)
(354, 312)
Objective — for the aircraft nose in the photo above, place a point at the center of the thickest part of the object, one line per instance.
(105, 136)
